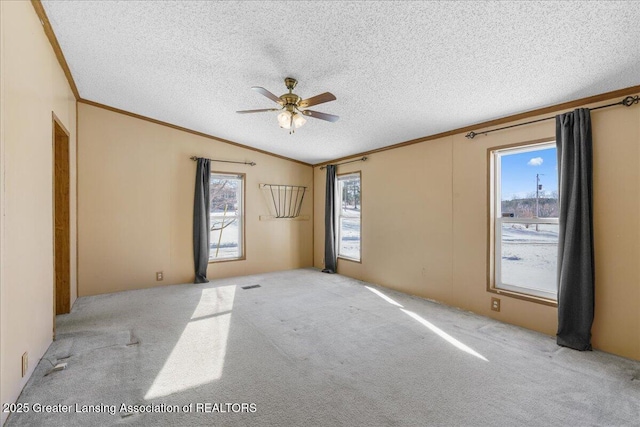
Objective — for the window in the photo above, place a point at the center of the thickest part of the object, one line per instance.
(227, 217)
(524, 216)
(349, 216)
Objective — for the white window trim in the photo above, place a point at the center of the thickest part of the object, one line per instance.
(497, 220)
(240, 217)
(344, 177)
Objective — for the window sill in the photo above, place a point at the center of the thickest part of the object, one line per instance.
(358, 261)
(525, 297)
(215, 261)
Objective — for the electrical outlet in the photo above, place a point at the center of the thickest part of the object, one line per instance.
(495, 304)
(25, 363)
(159, 276)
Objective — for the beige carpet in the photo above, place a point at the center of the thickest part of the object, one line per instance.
(312, 349)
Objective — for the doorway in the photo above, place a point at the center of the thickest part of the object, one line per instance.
(62, 226)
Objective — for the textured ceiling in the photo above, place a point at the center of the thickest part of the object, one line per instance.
(399, 70)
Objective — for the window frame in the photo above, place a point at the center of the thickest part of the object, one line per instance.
(242, 216)
(495, 221)
(339, 177)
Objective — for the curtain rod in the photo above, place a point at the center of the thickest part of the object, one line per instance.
(344, 163)
(627, 102)
(194, 158)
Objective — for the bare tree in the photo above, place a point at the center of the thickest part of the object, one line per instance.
(223, 195)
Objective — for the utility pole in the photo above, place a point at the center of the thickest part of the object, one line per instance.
(538, 188)
(537, 193)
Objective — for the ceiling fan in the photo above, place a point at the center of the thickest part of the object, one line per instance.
(291, 105)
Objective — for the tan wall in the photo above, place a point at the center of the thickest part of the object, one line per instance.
(424, 225)
(32, 87)
(136, 205)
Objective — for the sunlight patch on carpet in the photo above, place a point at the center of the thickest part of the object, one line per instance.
(384, 297)
(198, 356)
(444, 335)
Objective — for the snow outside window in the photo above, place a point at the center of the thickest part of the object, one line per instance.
(349, 216)
(525, 220)
(227, 217)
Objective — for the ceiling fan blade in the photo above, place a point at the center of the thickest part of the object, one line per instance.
(318, 99)
(268, 94)
(258, 111)
(322, 116)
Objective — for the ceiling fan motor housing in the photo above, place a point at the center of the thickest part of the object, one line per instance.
(290, 100)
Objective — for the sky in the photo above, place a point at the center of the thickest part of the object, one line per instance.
(519, 173)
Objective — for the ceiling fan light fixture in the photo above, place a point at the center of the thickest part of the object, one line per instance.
(284, 120)
(298, 120)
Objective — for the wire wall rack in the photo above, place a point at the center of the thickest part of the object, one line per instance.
(286, 199)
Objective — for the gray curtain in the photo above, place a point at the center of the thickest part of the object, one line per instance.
(201, 221)
(330, 258)
(576, 274)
